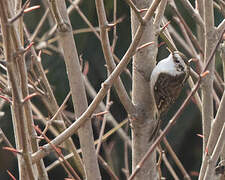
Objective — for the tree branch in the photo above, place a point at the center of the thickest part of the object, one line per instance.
(77, 87)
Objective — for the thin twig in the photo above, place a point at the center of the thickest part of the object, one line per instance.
(115, 27)
(126, 155)
(189, 32)
(37, 29)
(159, 14)
(169, 167)
(187, 5)
(186, 36)
(20, 13)
(61, 107)
(215, 155)
(108, 104)
(107, 168)
(177, 161)
(167, 38)
(7, 142)
(135, 9)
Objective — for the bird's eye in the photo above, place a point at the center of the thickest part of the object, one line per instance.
(176, 60)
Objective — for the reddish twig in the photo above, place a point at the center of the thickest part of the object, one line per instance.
(29, 46)
(13, 150)
(29, 97)
(10, 174)
(101, 113)
(200, 135)
(86, 68)
(144, 46)
(31, 8)
(6, 99)
(113, 24)
(165, 26)
(142, 10)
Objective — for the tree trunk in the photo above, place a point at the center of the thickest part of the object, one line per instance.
(143, 64)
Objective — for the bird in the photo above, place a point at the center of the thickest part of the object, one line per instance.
(166, 82)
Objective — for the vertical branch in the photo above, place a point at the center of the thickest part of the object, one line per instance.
(77, 87)
(114, 28)
(222, 55)
(18, 39)
(200, 29)
(18, 107)
(207, 85)
(29, 117)
(143, 63)
(210, 171)
(103, 123)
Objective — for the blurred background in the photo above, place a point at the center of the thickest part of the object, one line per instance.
(182, 137)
